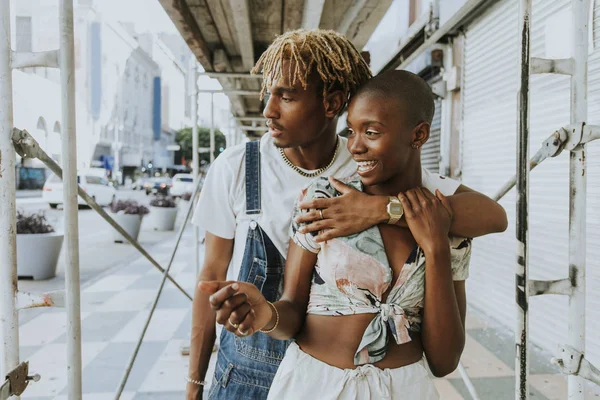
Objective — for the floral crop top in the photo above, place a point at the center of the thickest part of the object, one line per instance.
(353, 273)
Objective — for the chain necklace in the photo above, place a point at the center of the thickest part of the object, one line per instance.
(314, 173)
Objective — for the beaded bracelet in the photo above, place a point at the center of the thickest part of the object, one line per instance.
(199, 383)
(276, 319)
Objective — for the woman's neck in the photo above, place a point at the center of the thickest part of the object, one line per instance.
(409, 178)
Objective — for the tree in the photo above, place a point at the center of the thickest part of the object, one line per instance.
(184, 139)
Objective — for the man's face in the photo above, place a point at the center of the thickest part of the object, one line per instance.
(379, 139)
(295, 116)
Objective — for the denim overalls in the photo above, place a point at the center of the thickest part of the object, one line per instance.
(246, 366)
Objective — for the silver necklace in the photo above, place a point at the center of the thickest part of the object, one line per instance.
(314, 173)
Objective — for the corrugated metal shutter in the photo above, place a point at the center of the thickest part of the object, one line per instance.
(488, 161)
(430, 153)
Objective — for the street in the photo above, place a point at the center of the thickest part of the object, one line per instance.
(97, 251)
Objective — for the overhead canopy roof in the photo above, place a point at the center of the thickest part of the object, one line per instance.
(228, 36)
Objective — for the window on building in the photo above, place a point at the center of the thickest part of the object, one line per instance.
(24, 33)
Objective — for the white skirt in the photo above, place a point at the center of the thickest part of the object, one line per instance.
(303, 377)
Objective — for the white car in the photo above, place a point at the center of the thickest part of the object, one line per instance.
(96, 186)
(182, 184)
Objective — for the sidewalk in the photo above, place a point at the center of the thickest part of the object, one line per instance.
(115, 306)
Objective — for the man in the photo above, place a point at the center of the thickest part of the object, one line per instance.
(248, 196)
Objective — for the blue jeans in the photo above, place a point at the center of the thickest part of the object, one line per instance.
(246, 366)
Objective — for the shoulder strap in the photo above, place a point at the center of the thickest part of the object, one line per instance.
(253, 177)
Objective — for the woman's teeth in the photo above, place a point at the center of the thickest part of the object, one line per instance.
(364, 166)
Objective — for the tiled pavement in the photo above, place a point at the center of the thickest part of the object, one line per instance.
(114, 308)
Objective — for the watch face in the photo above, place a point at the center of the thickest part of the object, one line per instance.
(396, 209)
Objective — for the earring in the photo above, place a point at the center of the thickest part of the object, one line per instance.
(415, 146)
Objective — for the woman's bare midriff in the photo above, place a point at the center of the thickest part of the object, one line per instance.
(335, 339)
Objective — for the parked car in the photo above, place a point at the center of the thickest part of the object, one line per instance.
(96, 186)
(182, 184)
(159, 185)
(139, 183)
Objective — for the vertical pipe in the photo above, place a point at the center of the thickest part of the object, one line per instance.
(9, 318)
(578, 188)
(69, 151)
(195, 155)
(212, 127)
(522, 267)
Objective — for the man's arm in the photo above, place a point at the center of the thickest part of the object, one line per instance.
(218, 252)
(475, 214)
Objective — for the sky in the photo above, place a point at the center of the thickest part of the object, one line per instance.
(152, 19)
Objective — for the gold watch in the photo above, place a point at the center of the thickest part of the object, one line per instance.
(394, 210)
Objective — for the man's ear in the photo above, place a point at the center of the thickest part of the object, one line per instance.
(334, 103)
(420, 134)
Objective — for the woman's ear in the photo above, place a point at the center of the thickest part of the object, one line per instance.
(420, 134)
(334, 103)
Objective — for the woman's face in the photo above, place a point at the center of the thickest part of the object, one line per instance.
(380, 138)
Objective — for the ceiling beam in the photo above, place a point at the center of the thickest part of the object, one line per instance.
(179, 12)
(361, 19)
(292, 14)
(350, 16)
(243, 30)
(313, 9)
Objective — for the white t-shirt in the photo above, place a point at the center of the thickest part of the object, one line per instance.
(222, 204)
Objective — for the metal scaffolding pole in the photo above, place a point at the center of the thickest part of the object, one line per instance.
(523, 169)
(9, 319)
(212, 127)
(195, 157)
(578, 192)
(69, 152)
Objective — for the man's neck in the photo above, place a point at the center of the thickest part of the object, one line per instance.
(400, 183)
(314, 155)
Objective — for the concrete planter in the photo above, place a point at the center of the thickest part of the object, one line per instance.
(162, 218)
(131, 223)
(37, 255)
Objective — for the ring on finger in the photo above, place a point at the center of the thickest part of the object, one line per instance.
(243, 333)
(321, 213)
(233, 324)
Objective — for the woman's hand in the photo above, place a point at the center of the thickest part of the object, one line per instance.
(428, 217)
(240, 307)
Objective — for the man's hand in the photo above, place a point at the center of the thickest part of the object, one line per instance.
(350, 213)
(240, 307)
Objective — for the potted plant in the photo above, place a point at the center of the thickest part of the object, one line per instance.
(163, 213)
(38, 246)
(128, 214)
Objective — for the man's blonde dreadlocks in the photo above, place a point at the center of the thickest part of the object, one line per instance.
(331, 55)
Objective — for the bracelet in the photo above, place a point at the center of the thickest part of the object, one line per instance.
(199, 383)
(276, 319)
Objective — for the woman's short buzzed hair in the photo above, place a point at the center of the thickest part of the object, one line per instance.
(409, 89)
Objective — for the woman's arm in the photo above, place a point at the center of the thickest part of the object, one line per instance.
(292, 306)
(443, 329)
(442, 333)
(243, 310)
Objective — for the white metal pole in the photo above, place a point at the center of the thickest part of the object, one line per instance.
(9, 319)
(212, 127)
(578, 189)
(69, 151)
(523, 169)
(195, 155)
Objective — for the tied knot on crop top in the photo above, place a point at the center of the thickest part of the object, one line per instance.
(353, 273)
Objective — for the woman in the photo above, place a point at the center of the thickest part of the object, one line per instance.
(365, 310)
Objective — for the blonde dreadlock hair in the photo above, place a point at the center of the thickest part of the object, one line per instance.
(326, 52)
